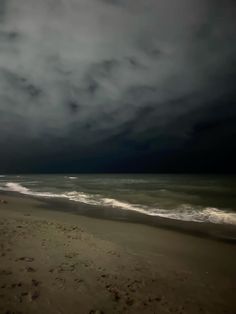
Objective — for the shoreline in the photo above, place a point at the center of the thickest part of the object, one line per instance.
(219, 232)
(53, 261)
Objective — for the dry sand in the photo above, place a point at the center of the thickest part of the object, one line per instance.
(57, 262)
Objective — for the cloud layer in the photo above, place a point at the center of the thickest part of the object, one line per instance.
(93, 84)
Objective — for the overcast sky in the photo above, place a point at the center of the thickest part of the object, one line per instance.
(117, 85)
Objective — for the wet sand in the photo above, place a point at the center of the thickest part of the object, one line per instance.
(57, 262)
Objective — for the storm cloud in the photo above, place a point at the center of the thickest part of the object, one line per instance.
(112, 85)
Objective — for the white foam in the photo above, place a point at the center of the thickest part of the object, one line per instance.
(115, 203)
(16, 187)
(83, 198)
(184, 212)
(216, 215)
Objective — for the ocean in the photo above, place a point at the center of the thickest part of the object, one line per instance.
(198, 198)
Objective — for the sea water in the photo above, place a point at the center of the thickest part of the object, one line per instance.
(199, 198)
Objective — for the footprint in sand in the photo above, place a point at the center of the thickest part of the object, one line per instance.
(30, 269)
(35, 282)
(5, 272)
(78, 280)
(16, 285)
(33, 295)
(25, 259)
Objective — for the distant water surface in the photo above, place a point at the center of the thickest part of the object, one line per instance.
(183, 197)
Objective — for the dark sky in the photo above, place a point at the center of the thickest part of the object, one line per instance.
(117, 86)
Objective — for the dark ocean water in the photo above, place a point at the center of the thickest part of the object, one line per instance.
(183, 197)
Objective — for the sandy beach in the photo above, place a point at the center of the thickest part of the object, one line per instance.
(57, 262)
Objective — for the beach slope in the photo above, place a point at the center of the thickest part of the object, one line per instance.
(58, 262)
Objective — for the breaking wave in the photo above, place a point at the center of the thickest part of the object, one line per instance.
(185, 212)
(71, 178)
